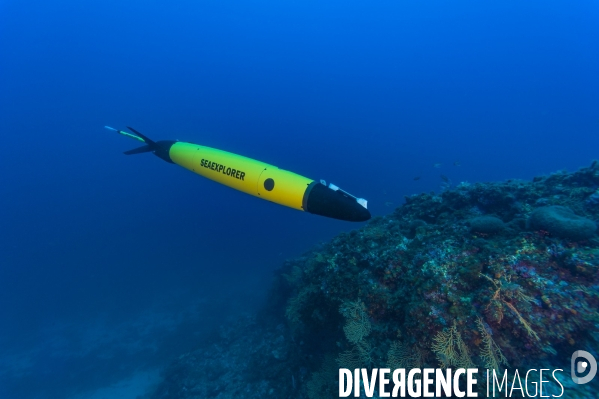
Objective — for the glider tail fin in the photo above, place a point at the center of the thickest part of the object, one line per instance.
(144, 138)
(159, 148)
(150, 144)
(139, 150)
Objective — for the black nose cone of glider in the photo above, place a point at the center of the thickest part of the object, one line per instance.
(321, 200)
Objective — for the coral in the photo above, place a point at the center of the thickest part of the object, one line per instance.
(359, 356)
(511, 292)
(562, 222)
(527, 326)
(490, 353)
(401, 356)
(297, 303)
(357, 325)
(321, 382)
(451, 349)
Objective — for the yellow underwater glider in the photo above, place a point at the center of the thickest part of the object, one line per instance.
(256, 178)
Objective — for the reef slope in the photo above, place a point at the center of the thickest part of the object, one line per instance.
(488, 275)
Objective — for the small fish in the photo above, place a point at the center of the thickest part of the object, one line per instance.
(388, 203)
(437, 165)
(417, 178)
(445, 178)
(457, 163)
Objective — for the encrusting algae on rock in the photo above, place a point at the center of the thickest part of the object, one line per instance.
(488, 275)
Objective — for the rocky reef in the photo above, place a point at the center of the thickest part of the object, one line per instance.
(488, 275)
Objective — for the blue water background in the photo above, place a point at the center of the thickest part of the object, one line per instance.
(368, 95)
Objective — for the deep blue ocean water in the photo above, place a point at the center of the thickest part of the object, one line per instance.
(112, 264)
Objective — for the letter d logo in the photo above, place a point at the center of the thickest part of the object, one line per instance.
(582, 366)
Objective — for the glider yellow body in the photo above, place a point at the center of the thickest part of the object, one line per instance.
(242, 173)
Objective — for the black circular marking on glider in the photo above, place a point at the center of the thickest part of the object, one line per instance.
(269, 184)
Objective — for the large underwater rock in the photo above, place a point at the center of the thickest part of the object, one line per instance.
(432, 284)
(562, 222)
(486, 225)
